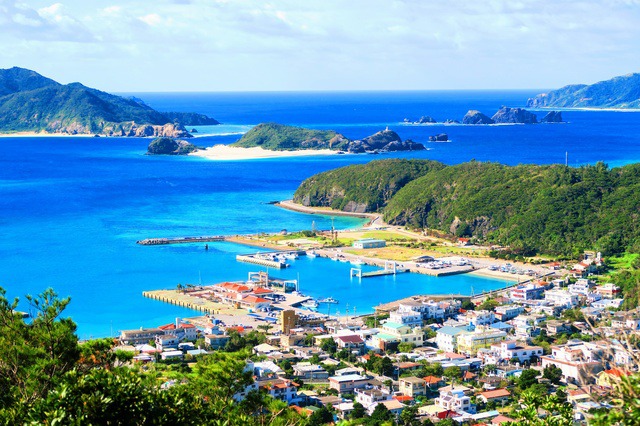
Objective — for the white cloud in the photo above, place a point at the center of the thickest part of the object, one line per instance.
(152, 19)
(315, 44)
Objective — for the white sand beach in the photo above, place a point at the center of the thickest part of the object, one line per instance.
(42, 135)
(225, 152)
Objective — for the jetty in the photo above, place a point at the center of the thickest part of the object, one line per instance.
(390, 268)
(180, 240)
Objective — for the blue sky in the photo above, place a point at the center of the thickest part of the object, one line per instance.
(219, 45)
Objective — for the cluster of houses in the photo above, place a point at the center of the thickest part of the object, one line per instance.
(470, 340)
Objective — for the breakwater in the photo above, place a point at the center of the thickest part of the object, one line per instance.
(179, 240)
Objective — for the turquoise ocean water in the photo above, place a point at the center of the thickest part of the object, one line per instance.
(71, 209)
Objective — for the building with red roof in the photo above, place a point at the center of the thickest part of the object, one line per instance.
(497, 395)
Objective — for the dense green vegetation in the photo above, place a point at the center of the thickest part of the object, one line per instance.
(47, 377)
(170, 146)
(279, 137)
(546, 209)
(31, 102)
(371, 185)
(618, 92)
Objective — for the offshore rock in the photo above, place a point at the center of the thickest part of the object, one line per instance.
(476, 117)
(514, 116)
(441, 137)
(552, 117)
(170, 146)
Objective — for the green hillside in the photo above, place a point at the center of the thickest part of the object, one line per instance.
(33, 103)
(279, 137)
(549, 209)
(618, 92)
(369, 186)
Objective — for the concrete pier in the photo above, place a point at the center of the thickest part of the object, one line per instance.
(180, 240)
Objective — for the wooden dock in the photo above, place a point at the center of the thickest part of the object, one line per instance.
(180, 240)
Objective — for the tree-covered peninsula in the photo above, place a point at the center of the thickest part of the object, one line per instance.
(546, 209)
(618, 92)
(30, 102)
(280, 137)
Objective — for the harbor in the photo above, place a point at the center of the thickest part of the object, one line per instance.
(335, 271)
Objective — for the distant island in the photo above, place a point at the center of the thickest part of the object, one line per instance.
(505, 115)
(532, 209)
(32, 103)
(621, 92)
(280, 137)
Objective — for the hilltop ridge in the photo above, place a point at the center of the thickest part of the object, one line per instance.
(618, 92)
(548, 209)
(30, 102)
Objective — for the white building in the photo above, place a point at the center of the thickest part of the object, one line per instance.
(510, 349)
(279, 388)
(348, 382)
(371, 397)
(561, 298)
(580, 287)
(367, 243)
(579, 361)
(447, 338)
(406, 316)
(476, 318)
(508, 312)
(455, 401)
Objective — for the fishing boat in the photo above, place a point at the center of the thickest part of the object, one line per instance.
(311, 254)
(291, 256)
(328, 300)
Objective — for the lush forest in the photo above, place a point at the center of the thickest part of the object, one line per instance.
(279, 137)
(31, 102)
(48, 377)
(369, 186)
(535, 209)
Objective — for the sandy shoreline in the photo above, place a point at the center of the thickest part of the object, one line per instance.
(42, 135)
(225, 152)
(506, 276)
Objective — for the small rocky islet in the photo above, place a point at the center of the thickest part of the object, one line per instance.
(505, 115)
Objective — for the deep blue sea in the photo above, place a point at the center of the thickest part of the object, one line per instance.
(71, 209)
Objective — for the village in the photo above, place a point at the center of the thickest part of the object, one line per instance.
(466, 360)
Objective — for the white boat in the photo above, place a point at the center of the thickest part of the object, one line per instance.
(356, 262)
(328, 300)
(291, 256)
(311, 254)
(311, 303)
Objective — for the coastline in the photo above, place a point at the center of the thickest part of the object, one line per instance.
(44, 135)
(225, 152)
(584, 109)
(327, 211)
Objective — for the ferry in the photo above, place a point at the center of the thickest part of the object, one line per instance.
(328, 300)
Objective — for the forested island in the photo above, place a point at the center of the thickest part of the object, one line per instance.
(618, 92)
(532, 209)
(280, 137)
(30, 102)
